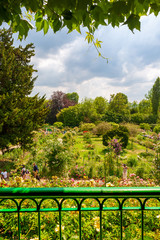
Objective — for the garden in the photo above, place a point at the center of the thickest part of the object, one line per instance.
(88, 156)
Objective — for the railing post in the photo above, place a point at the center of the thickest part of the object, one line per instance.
(39, 225)
(121, 223)
(80, 225)
(19, 226)
(60, 223)
(142, 224)
(100, 215)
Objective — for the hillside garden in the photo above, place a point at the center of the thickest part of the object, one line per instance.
(77, 158)
(80, 154)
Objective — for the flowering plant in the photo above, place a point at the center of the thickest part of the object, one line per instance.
(115, 145)
(77, 172)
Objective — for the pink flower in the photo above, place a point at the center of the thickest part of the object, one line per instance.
(132, 175)
(72, 179)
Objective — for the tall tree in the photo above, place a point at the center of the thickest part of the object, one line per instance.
(119, 103)
(58, 101)
(20, 114)
(145, 106)
(100, 104)
(155, 96)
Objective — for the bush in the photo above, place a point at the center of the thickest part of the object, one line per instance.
(118, 133)
(68, 138)
(149, 144)
(59, 159)
(111, 116)
(132, 128)
(137, 118)
(87, 137)
(156, 129)
(145, 126)
(102, 128)
(77, 172)
(150, 118)
(58, 125)
(132, 161)
(140, 172)
(87, 126)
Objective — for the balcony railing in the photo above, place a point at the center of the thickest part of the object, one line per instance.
(76, 203)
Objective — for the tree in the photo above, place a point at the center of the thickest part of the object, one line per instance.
(100, 104)
(119, 104)
(20, 114)
(88, 111)
(58, 101)
(133, 107)
(145, 106)
(74, 14)
(70, 116)
(155, 99)
(73, 97)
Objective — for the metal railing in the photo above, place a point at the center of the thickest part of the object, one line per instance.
(78, 201)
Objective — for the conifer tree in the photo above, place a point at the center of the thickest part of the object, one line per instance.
(155, 96)
(20, 114)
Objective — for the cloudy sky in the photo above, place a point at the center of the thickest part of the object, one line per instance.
(66, 62)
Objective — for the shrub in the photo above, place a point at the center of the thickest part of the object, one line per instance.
(132, 128)
(87, 137)
(115, 145)
(156, 129)
(150, 118)
(117, 133)
(87, 126)
(102, 128)
(68, 138)
(77, 172)
(59, 159)
(149, 144)
(137, 118)
(111, 116)
(132, 161)
(140, 172)
(145, 126)
(58, 125)
(146, 154)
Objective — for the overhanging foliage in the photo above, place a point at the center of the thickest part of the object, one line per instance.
(74, 14)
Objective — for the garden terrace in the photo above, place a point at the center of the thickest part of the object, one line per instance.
(81, 213)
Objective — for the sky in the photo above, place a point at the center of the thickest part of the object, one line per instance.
(66, 62)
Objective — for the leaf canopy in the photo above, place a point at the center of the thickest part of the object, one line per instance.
(74, 14)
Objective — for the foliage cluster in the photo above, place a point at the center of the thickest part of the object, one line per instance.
(73, 15)
(20, 113)
(121, 133)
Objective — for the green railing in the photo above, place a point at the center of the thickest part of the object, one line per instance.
(81, 200)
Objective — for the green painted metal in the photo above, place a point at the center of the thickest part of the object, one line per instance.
(79, 196)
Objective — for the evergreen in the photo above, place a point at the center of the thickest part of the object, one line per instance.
(155, 96)
(20, 113)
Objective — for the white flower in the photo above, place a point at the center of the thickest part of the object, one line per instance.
(58, 228)
(109, 184)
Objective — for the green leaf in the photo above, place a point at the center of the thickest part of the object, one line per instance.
(46, 26)
(56, 25)
(39, 24)
(155, 8)
(133, 22)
